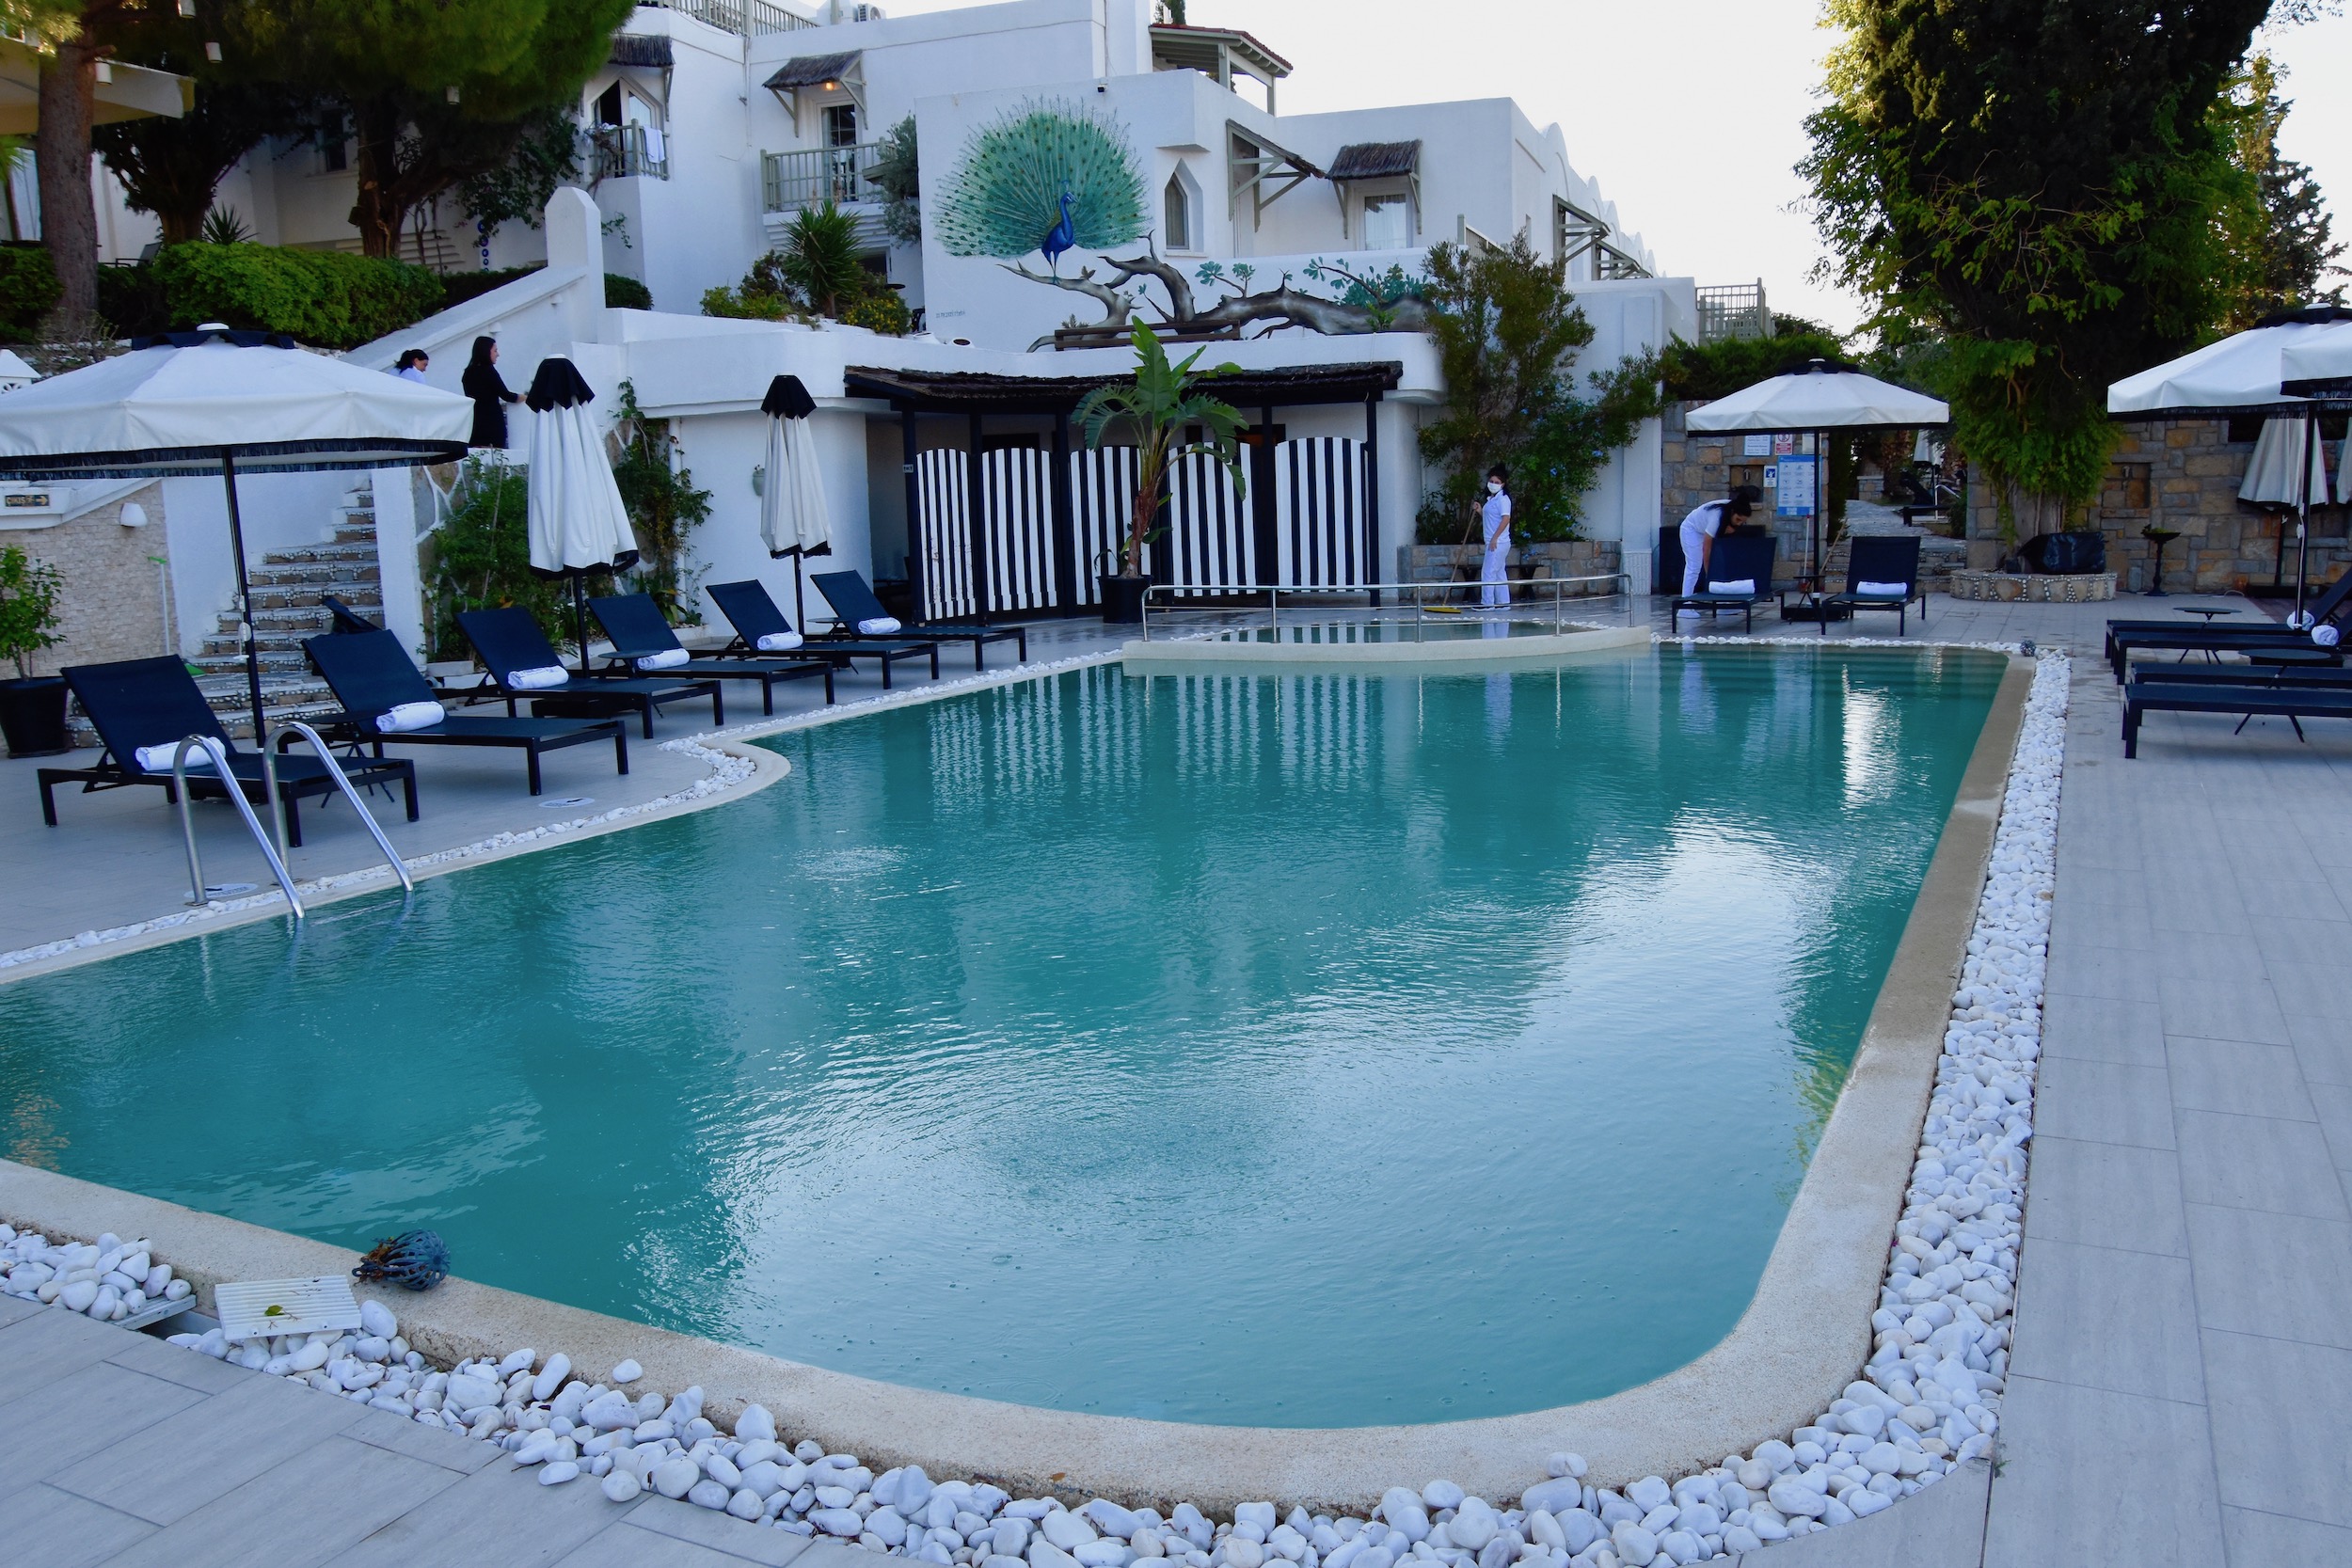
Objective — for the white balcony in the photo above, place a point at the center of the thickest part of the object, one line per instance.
(791, 181)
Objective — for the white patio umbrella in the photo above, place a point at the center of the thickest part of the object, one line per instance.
(220, 402)
(792, 515)
(2271, 474)
(2241, 376)
(575, 520)
(1815, 399)
(2322, 368)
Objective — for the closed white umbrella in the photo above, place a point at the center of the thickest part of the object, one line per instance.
(575, 518)
(1819, 396)
(2272, 476)
(2246, 373)
(220, 402)
(793, 519)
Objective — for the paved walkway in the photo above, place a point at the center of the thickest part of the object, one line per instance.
(2181, 1387)
(118, 1449)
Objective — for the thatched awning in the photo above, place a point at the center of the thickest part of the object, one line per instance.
(978, 393)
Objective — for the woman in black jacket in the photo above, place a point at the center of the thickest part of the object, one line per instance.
(483, 383)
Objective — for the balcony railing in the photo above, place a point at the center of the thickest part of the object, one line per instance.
(749, 19)
(619, 151)
(791, 181)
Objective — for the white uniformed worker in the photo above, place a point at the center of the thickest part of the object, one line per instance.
(1494, 515)
(1700, 528)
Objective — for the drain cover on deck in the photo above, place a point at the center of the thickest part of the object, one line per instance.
(567, 800)
(257, 1306)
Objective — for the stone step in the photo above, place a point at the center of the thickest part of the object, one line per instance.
(296, 616)
(315, 573)
(306, 553)
(221, 655)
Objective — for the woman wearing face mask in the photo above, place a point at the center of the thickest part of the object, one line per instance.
(1494, 514)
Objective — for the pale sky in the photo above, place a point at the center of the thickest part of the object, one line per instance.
(1689, 113)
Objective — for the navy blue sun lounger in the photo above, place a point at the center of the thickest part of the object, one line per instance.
(2296, 694)
(2333, 606)
(370, 675)
(154, 702)
(1891, 562)
(854, 602)
(640, 631)
(509, 643)
(752, 610)
(1736, 558)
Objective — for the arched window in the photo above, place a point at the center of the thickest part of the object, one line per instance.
(1177, 209)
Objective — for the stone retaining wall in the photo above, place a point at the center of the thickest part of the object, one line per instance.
(113, 606)
(1566, 558)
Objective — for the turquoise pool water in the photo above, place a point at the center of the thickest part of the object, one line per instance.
(1300, 1050)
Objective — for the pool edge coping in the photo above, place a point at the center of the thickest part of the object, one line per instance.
(1803, 1334)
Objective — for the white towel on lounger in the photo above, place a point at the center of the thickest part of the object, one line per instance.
(157, 759)
(778, 641)
(668, 658)
(1739, 585)
(1883, 590)
(2326, 635)
(879, 625)
(409, 715)
(538, 679)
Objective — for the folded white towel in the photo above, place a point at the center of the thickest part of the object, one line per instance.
(668, 658)
(410, 716)
(538, 679)
(1884, 589)
(2326, 635)
(880, 625)
(1739, 585)
(778, 641)
(157, 759)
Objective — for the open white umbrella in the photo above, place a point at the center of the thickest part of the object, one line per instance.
(792, 515)
(575, 520)
(1817, 397)
(2245, 375)
(220, 402)
(2321, 368)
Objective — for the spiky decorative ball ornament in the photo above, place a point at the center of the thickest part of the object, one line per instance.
(414, 1260)
(1005, 194)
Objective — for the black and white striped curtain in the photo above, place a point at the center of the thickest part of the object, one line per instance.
(1319, 512)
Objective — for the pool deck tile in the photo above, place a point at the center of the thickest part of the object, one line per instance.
(92, 1410)
(2123, 1322)
(494, 1515)
(74, 1531)
(2093, 1475)
(1940, 1527)
(297, 1513)
(683, 1521)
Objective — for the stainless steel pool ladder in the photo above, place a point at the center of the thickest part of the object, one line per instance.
(273, 852)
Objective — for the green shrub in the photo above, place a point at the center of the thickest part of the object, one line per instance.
(131, 299)
(322, 297)
(28, 287)
(622, 292)
(881, 310)
(482, 559)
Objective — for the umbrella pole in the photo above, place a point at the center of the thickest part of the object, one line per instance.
(245, 600)
(799, 610)
(579, 621)
(2303, 513)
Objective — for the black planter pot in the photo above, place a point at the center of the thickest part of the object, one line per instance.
(32, 716)
(1122, 600)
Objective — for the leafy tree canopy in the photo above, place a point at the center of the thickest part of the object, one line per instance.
(2278, 226)
(1508, 330)
(2041, 182)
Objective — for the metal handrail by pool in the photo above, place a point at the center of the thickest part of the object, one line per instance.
(219, 754)
(1417, 590)
(287, 730)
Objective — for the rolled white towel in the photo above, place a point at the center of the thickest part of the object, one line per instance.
(410, 716)
(1738, 585)
(538, 679)
(157, 759)
(879, 625)
(778, 641)
(2326, 635)
(1883, 590)
(668, 658)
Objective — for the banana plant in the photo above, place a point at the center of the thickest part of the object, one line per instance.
(1153, 409)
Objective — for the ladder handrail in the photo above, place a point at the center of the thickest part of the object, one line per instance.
(235, 792)
(289, 728)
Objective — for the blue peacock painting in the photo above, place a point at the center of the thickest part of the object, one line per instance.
(1046, 177)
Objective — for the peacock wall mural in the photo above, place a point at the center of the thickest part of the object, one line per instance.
(1048, 176)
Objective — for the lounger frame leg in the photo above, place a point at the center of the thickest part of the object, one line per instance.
(531, 764)
(620, 748)
(48, 797)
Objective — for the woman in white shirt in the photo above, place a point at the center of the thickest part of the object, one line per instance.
(1494, 515)
(1700, 528)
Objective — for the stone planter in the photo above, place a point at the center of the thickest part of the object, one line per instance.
(2034, 587)
(1569, 558)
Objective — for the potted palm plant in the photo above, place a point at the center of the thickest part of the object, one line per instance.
(1155, 409)
(32, 707)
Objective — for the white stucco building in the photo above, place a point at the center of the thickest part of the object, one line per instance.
(716, 121)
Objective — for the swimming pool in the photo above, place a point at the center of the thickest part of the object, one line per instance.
(1292, 1050)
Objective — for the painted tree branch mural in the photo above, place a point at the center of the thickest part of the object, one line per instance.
(1385, 302)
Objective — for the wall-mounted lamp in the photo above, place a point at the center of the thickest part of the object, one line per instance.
(106, 71)
(212, 53)
(132, 516)
(452, 95)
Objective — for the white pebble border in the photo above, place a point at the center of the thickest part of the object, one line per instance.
(1928, 1401)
